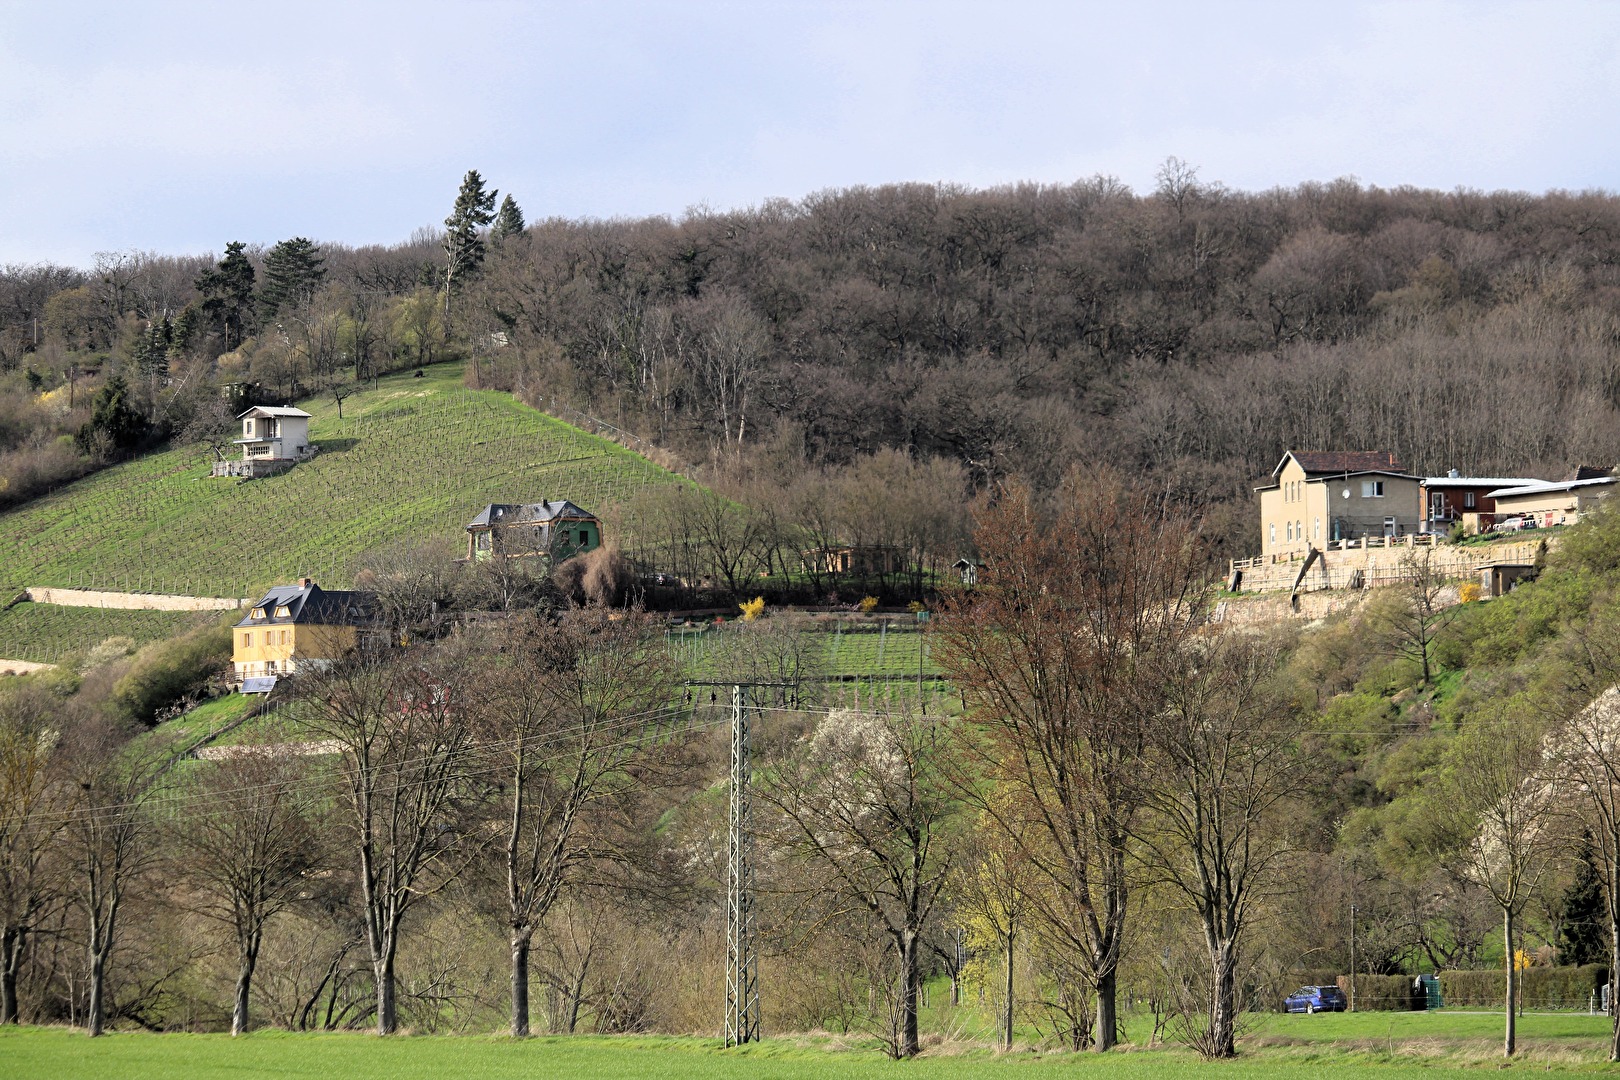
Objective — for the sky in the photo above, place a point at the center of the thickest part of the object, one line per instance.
(176, 127)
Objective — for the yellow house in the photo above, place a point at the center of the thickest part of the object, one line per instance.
(298, 625)
(1315, 498)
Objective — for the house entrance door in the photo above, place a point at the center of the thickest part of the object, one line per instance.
(1389, 526)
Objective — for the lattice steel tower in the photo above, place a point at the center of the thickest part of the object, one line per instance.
(742, 962)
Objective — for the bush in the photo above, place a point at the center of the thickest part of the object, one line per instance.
(1383, 993)
(1542, 987)
(166, 672)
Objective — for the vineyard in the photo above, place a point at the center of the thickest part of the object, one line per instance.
(414, 458)
(45, 634)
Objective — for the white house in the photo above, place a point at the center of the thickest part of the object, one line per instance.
(273, 439)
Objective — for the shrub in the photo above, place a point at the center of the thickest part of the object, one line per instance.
(1468, 592)
(1542, 987)
(166, 672)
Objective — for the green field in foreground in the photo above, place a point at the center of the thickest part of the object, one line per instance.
(1364, 1047)
(409, 460)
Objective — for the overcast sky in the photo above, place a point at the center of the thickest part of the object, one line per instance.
(177, 127)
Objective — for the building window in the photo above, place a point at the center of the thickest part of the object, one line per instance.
(1372, 489)
(258, 613)
(1318, 528)
(1468, 500)
(282, 612)
(1299, 530)
(247, 639)
(1274, 533)
(1290, 528)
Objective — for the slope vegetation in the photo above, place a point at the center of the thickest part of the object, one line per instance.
(414, 458)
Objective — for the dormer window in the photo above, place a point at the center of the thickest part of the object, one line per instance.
(282, 612)
(258, 613)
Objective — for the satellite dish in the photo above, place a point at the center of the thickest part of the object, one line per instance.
(1345, 493)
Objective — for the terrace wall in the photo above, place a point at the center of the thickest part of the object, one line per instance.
(97, 598)
(1374, 562)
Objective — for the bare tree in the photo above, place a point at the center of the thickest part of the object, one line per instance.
(1412, 614)
(110, 841)
(1053, 652)
(401, 730)
(1498, 797)
(866, 799)
(32, 799)
(1225, 766)
(575, 707)
(248, 846)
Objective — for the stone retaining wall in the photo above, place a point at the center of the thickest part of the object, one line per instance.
(22, 667)
(133, 601)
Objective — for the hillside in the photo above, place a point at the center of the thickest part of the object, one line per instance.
(414, 458)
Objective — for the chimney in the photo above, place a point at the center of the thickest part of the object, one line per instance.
(1453, 473)
(305, 582)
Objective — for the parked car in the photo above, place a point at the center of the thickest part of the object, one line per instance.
(1315, 999)
(1514, 524)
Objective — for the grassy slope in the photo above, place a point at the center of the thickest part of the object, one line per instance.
(37, 1054)
(44, 633)
(414, 458)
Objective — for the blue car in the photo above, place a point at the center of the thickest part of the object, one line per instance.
(1315, 999)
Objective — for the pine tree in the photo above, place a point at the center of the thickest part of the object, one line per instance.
(509, 221)
(463, 242)
(227, 291)
(151, 352)
(293, 272)
(1584, 936)
(115, 424)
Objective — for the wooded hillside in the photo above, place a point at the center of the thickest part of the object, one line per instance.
(1191, 333)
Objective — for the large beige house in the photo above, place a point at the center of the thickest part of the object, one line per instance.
(1317, 497)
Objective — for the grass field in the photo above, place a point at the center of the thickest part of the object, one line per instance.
(415, 458)
(1447, 1047)
(46, 634)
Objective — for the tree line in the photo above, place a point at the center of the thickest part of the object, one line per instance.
(1130, 818)
(1189, 334)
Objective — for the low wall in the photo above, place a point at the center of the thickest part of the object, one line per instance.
(1374, 565)
(22, 667)
(133, 601)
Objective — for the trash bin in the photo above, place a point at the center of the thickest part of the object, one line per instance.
(1431, 991)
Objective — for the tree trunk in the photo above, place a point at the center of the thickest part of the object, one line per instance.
(1107, 1015)
(520, 985)
(387, 1010)
(1510, 1033)
(11, 949)
(907, 1042)
(94, 1016)
(1007, 1038)
(1223, 1003)
(1614, 961)
(244, 983)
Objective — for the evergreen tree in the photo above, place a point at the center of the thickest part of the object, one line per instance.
(151, 352)
(293, 272)
(1584, 936)
(508, 221)
(227, 292)
(115, 425)
(463, 240)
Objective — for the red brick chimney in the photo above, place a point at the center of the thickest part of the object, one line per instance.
(305, 582)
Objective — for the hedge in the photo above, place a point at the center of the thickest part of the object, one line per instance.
(1383, 993)
(1541, 987)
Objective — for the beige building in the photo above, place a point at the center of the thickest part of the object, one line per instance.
(1546, 503)
(1316, 498)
